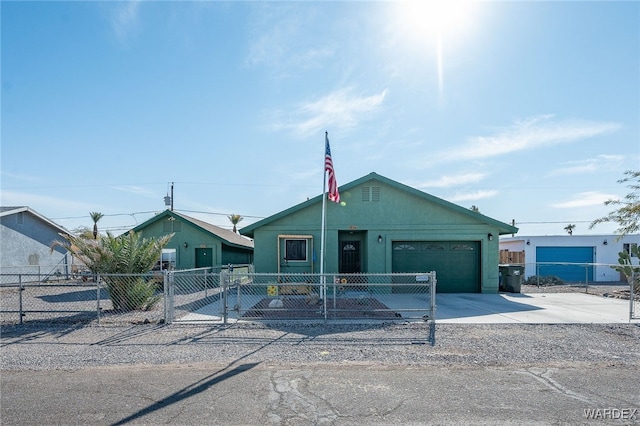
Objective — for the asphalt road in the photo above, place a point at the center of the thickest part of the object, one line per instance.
(244, 393)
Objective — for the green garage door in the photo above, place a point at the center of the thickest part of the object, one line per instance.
(457, 263)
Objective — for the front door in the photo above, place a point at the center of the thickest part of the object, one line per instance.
(350, 261)
(204, 257)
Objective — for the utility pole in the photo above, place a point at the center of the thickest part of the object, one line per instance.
(168, 200)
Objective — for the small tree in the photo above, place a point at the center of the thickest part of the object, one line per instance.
(627, 216)
(119, 258)
(95, 217)
(569, 228)
(235, 219)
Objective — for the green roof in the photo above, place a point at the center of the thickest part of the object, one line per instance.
(229, 238)
(503, 227)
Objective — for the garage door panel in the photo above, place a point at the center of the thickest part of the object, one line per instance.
(456, 263)
(568, 263)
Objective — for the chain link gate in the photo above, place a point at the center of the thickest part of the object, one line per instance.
(243, 295)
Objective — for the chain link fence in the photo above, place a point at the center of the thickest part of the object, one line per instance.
(87, 298)
(243, 295)
(236, 293)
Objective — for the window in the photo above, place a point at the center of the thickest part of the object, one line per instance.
(626, 248)
(295, 250)
(405, 246)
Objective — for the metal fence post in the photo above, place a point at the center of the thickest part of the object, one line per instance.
(206, 283)
(98, 298)
(20, 290)
(586, 278)
(432, 326)
(169, 284)
(225, 289)
(165, 295)
(632, 296)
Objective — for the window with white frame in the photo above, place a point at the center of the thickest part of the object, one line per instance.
(295, 250)
(626, 247)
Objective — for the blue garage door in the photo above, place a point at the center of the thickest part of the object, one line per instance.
(567, 263)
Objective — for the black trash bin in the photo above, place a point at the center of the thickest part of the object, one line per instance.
(511, 278)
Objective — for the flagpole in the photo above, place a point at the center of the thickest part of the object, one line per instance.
(323, 280)
(324, 205)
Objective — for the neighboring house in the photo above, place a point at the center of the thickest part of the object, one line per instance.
(573, 258)
(25, 241)
(197, 244)
(383, 226)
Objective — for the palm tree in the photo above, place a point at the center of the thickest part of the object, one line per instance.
(95, 216)
(235, 218)
(120, 259)
(569, 229)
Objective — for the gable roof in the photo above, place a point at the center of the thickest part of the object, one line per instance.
(6, 211)
(229, 238)
(503, 227)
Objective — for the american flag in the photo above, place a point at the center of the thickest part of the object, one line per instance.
(334, 195)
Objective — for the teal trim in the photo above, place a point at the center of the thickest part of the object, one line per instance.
(503, 228)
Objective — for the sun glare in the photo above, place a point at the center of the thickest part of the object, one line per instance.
(427, 18)
(434, 24)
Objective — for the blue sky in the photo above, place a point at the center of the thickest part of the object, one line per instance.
(527, 110)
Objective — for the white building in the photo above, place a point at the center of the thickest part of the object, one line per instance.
(573, 258)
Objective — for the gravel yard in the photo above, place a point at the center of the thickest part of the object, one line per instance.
(562, 345)
(601, 289)
(71, 346)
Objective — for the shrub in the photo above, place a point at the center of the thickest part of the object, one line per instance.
(131, 293)
(547, 280)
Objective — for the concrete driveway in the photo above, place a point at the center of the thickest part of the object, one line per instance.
(502, 308)
(539, 308)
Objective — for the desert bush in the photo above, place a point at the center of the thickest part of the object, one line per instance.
(547, 280)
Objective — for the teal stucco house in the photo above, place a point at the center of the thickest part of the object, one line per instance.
(383, 226)
(196, 244)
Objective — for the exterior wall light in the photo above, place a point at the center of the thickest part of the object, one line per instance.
(490, 236)
(186, 244)
(380, 238)
(605, 242)
(528, 242)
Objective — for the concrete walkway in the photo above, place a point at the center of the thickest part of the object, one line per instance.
(539, 308)
(502, 308)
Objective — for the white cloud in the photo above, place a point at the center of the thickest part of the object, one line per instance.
(124, 18)
(452, 180)
(133, 189)
(277, 40)
(41, 203)
(341, 109)
(472, 196)
(590, 165)
(532, 133)
(20, 177)
(585, 199)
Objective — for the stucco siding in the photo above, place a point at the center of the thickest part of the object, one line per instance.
(25, 247)
(394, 215)
(605, 250)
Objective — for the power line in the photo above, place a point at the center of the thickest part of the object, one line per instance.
(220, 214)
(552, 222)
